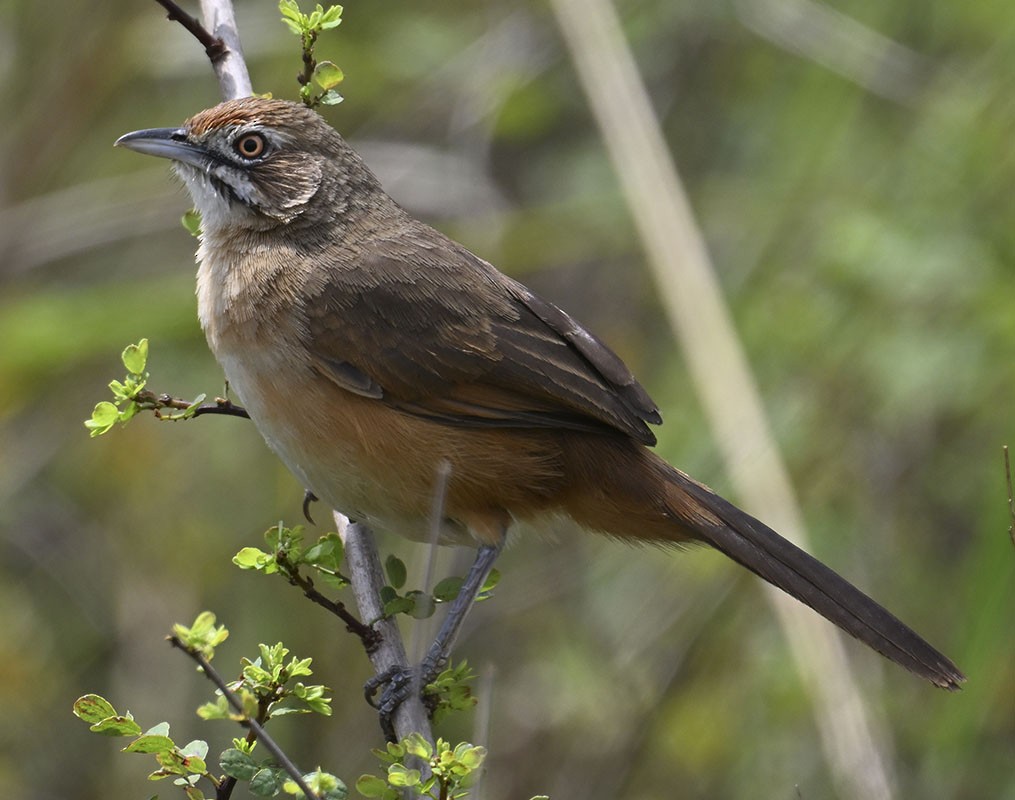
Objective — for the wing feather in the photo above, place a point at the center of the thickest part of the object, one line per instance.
(422, 324)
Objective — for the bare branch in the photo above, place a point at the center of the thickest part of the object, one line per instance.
(215, 48)
(367, 578)
(222, 43)
(231, 69)
(367, 635)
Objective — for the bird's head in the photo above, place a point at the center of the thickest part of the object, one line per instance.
(258, 163)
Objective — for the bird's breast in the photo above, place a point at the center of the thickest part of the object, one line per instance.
(330, 439)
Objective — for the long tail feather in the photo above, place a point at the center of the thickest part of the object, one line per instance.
(761, 550)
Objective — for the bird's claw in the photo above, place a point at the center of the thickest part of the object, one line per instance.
(308, 498)
(396, 685)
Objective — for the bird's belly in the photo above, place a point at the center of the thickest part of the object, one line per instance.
(355, 454)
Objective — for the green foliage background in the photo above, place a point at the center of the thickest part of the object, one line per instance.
(858, 204)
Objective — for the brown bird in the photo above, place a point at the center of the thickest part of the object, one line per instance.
(369, 349)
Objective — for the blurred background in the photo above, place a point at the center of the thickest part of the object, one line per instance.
(851, 164)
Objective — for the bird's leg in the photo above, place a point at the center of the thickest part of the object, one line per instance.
(399, 682)
(440, 651)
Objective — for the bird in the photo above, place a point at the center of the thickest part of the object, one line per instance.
(371, 352)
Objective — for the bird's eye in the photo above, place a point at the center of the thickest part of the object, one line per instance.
(250, 145)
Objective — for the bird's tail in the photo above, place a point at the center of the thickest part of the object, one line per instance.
(661, 503)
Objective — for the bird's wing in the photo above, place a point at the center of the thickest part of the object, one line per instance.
(420, 323)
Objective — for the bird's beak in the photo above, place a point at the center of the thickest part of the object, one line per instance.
(171, 143)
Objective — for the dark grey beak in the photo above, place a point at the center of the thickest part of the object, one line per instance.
(171, 143)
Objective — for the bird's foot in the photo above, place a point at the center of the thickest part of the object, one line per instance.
(396, 685)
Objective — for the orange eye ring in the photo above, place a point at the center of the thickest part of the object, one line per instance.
(250, 145)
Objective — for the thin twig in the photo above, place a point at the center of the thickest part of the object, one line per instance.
(219, 406)
(213, 45)
(251, 724)
(367, 635)
(225, 789)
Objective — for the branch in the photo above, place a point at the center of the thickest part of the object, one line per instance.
(222, 45)
(367, 578)
(220, 406)
(369, 636)
(214, 47)
(253, 725)
(230, 69)
(365, 572)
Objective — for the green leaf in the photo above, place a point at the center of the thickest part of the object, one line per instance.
(299, 667)
(491, 581)
(252, 558)
(323, 784)
(398, 605)
(104, 416)
(328, 75)
(238, 765)
(385, 756)
(285, 711)
(417, 745)
(195, 749)
(196, 765)
(191, 221)
(292, 16)
(400, 775)
(486, 590)
(150, 744)
(93, 708)
(371, 786)
(117, 726)
(330, 98)
(172, 761)
(319, 705)
(266, 783)
(135, 357)
(471, 757)
(327, 553)
(331, 18)
(447, 590)
(395, 568)
(220, 709)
